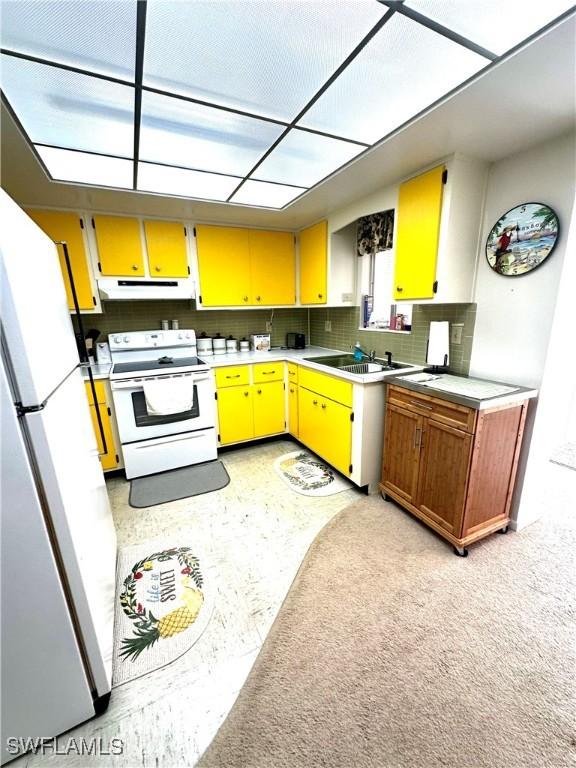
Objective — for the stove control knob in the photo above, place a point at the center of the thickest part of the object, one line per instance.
(117, 339)
(179, 335)
(126, 339)
(187, 335)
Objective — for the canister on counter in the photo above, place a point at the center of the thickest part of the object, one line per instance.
(219, 345)
(231, 344)
(244, 344)
(204, 344)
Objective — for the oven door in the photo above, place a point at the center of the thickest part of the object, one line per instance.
(136, 424)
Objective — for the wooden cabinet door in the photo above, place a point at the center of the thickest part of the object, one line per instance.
(401, 461)
(293, 409)
(314, 264)
(109, 460)
(444, 474)
(417, 233)
(272, 267)
(235, 417)
(224, 266)
(269, 412)
(166, 246)
(61, 225)
(119, 246)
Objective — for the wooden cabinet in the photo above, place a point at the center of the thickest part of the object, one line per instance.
(69, 227)
(119, 246)
(109, 458)
(417, 235)
(314, 264)
(245, 267)
(166, 248)
(451, 466)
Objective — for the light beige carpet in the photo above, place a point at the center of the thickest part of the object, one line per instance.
(390, 651)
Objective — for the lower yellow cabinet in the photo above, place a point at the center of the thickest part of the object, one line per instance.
(269, 416)
(293, 409)
(326, 428)
(235, 414)
(110, 458)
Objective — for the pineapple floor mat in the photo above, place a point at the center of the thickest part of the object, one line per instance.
(164, 601)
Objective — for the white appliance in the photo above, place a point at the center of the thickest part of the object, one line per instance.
(156, 443)
(117, 288)
(58, 541)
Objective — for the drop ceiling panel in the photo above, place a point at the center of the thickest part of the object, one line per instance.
(403, 70)
(70, 110)
(495, 25)
(84, 34)
(303, 158)
(84, 168)
(182, 133)
(184, 183)
(264, 194)
(267, 57)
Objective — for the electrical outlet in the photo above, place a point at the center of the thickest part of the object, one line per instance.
(456, 333)
(268, 326)
(328, 325)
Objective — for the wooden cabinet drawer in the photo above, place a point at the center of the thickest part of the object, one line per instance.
(329, 386)
(451, 414)
(264, 372)
(100, 387)
(292, 373)
(232, 376)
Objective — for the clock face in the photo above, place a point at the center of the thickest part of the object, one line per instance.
(522, 239)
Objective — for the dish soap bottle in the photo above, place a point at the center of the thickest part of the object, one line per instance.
(358, 354)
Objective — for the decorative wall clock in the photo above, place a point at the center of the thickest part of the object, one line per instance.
(522, 239)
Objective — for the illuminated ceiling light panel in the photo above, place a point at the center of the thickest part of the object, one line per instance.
(181, 133)
(84, 168)
(184, 183)
(264, 194)
(267, 57)
(69, 110)
(403, 70)
(304, 158)
(88, 34)
(493, 24)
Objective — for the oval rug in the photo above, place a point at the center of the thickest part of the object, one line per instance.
(164, 601)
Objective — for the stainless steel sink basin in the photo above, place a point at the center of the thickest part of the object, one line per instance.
(351, 365)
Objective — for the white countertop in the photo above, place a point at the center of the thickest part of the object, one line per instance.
(99, 370)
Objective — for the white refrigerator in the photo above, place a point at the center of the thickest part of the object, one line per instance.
(58, 543)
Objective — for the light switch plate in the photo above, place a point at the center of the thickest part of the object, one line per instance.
(268, 326)
(456, 333)
(328, 325)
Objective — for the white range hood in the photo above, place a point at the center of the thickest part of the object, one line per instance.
(119, 288)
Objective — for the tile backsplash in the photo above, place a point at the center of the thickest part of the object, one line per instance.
(147, 315)
(408, 347)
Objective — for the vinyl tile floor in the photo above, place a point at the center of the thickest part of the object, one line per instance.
(254, 533)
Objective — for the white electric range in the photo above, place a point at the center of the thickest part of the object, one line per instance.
(156, 443)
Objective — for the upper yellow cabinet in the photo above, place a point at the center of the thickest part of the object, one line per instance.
(417, 235)
(119, 246)
(67, 226)
(166, 247)
(313, 264)
(272, 267)
(244, 267)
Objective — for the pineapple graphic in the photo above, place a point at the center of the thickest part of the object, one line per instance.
(148, 629)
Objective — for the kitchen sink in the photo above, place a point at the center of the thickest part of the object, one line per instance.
(351, 365)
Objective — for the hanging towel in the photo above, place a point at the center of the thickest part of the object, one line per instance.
(171, 395)
(438, 343)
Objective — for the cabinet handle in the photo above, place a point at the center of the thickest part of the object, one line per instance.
(135, 267)
(422, 405)
(417, 437)
(157, 269)
(323, 406)
(399, 288)
(235, 376)
(314, 402)
(268, 373)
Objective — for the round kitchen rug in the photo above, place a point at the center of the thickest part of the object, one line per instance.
(164, 601)
(309, 475)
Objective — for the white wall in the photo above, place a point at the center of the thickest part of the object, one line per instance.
(514, 321)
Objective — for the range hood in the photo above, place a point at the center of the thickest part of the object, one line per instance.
(119, 288)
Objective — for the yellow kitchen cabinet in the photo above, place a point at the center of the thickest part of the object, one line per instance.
(326, 428)
(232, 376)
(119, 246)
(293, 409)
(417, 235)
(108, 459)
(330, 386)
(314, 263)
(166, 248)
(223, 266)
(263, 372)
(67, 226)
(272, 267)
(269, 413)
(235, 414)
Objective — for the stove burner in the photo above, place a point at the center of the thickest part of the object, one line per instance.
(165, 360)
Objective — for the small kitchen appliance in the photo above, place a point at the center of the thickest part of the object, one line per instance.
(295, 340)
(157, 441)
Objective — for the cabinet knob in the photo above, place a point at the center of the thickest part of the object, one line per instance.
(399, 288)
(135, 267)
(245, 298)
(314, 402)
(257, 298)
(323, 406)
(259, 391)
(292, 390)
(319, 295)
(246, 394)
(157, 269)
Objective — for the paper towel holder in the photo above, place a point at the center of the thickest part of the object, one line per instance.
(437, 368)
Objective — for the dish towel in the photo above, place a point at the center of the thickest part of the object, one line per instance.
(171, 395)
